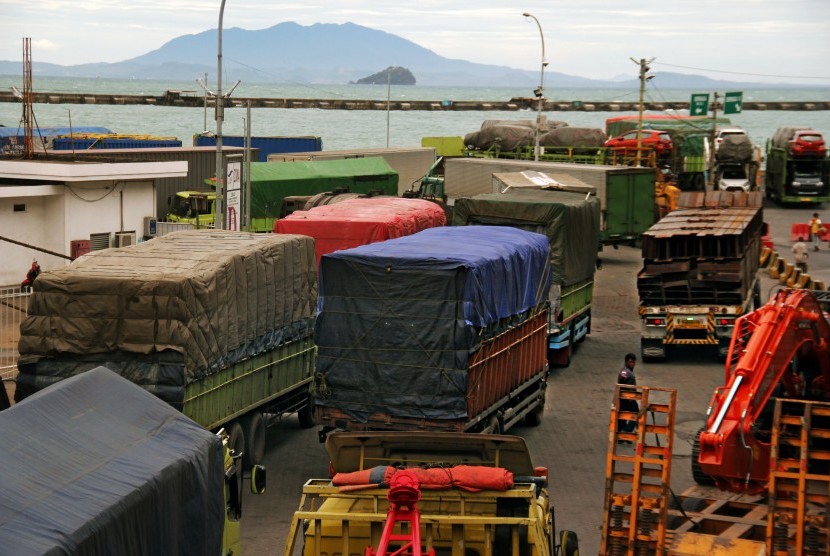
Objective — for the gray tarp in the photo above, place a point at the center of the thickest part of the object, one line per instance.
(210, 298)
(96, 466)
(573, 137)
(735, 148)
(569, 220)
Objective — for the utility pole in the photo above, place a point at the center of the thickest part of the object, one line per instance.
(711, 164)
(644, 68)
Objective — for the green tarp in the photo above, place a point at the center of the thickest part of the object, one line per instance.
(271, 182)
(570, 221)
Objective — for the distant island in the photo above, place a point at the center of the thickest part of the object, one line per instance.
(394, 75)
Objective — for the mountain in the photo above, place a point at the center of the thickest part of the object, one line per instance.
(326, 53)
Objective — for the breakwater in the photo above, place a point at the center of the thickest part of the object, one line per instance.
(190, 99)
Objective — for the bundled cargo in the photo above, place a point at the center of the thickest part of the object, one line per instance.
(443, 329)
(699, 273)
(216, 323)
(576, 137)
(571, 221)
(356, 221)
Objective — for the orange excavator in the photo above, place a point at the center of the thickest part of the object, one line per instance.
(777, 351)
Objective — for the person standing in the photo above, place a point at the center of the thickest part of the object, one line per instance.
(816, 229)
(626, 376)
(800, 255)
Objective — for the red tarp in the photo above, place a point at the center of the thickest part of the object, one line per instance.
(361, 221)
(471, 478)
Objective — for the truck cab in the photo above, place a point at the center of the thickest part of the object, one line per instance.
(459, 515)
(194, 207)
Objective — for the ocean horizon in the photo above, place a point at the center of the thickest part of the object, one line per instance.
(353, 129)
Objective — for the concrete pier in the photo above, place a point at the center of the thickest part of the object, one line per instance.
(190, 99)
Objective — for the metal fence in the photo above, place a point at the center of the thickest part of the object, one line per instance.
(14, 305)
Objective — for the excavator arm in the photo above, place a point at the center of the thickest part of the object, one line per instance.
(778, 350)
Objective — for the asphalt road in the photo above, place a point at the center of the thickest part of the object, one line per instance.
(572, 441)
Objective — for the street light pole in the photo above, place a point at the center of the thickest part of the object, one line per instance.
(220, 115)
(540, 92)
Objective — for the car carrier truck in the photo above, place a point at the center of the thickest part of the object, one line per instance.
(570, 218)
(793, 176)
(445, 329)
(218, 324)
(95, 465)
(700, 271)
(427, 493)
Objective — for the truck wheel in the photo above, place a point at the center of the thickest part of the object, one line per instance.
(495, 425)
(254, 429)
(534, 418)
(236, 439)
(306, 415)
(698, 475)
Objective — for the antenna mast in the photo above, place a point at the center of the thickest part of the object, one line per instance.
(28, 115)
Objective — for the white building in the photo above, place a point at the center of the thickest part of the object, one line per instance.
(50, 211)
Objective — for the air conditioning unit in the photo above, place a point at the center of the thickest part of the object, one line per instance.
(99, 241)
(123, 239)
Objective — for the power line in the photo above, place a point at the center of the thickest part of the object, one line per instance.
(744, 73)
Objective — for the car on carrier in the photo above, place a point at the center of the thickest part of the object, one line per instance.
(660, 141)
(807, 142)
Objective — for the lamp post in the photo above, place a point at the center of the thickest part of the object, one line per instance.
(540, 92)
(220, 115)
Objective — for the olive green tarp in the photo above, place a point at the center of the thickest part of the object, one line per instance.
(212, 297)
(569, 220)
(694, 124)
(271, 182)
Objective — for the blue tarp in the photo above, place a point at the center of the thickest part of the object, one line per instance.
(94, 465)
(399, 320)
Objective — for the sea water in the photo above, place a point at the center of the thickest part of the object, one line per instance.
(351, 129)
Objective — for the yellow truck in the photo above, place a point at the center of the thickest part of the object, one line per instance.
(193, 207)
(449, 494)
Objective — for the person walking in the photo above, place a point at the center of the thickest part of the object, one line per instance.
(626, 376)
(816, 230)
(800, 255)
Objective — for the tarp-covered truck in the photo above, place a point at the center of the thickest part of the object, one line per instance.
(570, 220)
(271, 182)
(476, 494)
(626, 195)
(736, 163)
(218, 324)
(357, 222)
(95, 466)
(445, 329)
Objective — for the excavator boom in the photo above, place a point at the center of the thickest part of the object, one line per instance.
(778, 350)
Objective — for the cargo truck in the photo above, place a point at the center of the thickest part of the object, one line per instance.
(95, 465)
(428, 493)
(195, 207)
(792, 177)
(700, 271)
(445, 329)
(626, 195)
(737, 162)
(265, 145)
(216, 323)
(355, 222)
(570, 219)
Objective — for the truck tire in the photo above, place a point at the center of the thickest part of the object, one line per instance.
(698, 475)
(534, 418)
(306, 415)
(254, 429)
(495, 425)
(236, 440)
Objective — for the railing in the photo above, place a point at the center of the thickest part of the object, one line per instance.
(14, 305)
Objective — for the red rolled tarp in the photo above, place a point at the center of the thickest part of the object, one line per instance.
(470, 478)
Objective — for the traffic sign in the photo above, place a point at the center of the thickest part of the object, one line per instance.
(732, 103)
(699, 105)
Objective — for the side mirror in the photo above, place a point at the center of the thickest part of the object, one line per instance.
(257, 479)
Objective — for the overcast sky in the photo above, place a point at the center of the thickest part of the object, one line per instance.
(752, 40)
